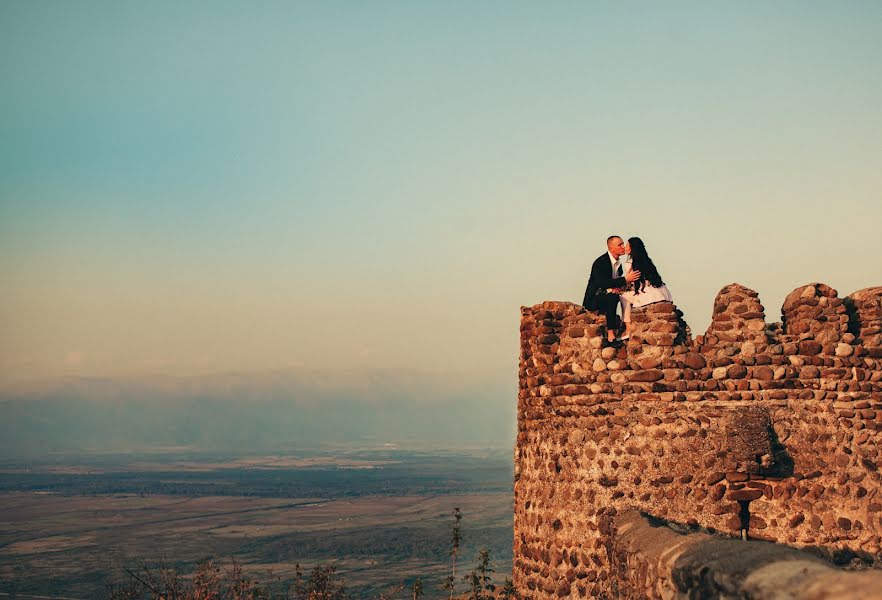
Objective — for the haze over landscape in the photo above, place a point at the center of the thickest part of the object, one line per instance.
(262, 265)
(293, 409)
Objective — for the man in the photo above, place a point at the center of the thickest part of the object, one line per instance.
(606, 274)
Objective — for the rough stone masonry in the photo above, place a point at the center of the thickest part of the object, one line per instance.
(769, 432)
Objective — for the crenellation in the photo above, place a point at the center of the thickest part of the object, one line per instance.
(739, 320)
(814, 312)
(865, 322)
(770, 431)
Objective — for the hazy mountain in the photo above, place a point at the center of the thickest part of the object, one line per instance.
(259, 411)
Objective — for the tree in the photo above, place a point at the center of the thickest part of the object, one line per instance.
(455, 539)
(321, 585)
(417, 589)
(391, 592)
(210, 583)
(509, 591)
(480, 578)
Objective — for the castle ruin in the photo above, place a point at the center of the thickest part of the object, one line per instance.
(756, 431)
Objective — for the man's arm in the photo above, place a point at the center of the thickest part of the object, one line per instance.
(590, 289)
(586, 300)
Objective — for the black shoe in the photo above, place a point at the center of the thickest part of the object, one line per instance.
(613, 344)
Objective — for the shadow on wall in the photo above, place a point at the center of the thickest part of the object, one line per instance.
(783, 462)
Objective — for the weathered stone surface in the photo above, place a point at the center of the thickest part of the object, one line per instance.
(646, 375)
(843, 349)
(710, 567)
(693, 360)
(763, 373)
(744, 495)
(810, 347)
(814, 312)
(736, 371)
(738, 317)
(866, 317)
(715, 477)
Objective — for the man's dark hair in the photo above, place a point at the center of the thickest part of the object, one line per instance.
(611, 238)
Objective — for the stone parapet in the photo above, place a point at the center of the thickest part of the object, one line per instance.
(648, 559)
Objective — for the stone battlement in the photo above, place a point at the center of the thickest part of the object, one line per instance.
(770, 431)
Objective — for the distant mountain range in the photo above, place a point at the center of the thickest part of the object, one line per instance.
(265, 411)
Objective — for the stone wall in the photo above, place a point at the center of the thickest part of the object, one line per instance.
(769, 431)
(650, 560)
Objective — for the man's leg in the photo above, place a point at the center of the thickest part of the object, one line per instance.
(608, 304)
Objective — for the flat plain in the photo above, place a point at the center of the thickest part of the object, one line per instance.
(70, 530)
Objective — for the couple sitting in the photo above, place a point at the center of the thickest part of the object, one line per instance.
(624, 275)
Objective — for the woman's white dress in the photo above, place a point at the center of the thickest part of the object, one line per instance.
(648, 295)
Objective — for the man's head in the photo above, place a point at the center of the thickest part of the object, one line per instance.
(615, 245)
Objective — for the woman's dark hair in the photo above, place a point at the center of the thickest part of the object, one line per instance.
(640, 261)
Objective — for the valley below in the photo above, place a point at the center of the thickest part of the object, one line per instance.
(71, 528)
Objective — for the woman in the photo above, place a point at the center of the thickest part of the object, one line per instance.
(649, 289)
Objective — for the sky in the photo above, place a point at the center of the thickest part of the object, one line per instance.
(219, 186)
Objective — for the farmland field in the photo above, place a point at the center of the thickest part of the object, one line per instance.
(381, 517)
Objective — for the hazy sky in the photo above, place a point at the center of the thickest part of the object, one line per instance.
(190, 187)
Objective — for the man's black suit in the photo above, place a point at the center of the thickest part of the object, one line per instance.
(602, 279)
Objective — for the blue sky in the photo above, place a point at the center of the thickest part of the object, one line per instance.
(215, 186)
